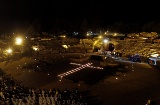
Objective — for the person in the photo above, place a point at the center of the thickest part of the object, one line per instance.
(148, 102)
(148, 61)
(151, 102)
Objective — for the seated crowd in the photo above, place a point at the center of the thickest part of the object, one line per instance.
(12, 93)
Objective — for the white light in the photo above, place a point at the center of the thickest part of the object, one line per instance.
(35, 48)
(77, 69)
(9, 50)
(18, 41)
(105, 40)
(155, 55)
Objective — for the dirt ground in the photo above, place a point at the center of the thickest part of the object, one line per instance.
(136, 86)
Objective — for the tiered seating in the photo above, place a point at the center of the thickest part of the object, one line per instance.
(14, 94)
(144, 49)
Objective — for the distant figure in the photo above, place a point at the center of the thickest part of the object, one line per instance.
(149, 102)
(126, 67)
(148, 61)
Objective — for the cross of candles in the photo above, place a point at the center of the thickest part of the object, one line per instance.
(78, 69)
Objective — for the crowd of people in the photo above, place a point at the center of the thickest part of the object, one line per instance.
(12, 93)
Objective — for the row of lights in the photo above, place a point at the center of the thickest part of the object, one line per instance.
(77, 69)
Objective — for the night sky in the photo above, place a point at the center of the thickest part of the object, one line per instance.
(16, 14)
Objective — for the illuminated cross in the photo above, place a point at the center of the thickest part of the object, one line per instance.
(78, 69)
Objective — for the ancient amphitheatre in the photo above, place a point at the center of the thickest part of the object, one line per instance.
(32, 78)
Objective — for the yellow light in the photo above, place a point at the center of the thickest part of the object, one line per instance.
(144, 38)
(65, 46)
(155, 55)
(9, 50)
(35, 48)
(100, 37)
(18, 41)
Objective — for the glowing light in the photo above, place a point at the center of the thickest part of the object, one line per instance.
(105, 40)
(100, 36)
(9, 50)
(35, 48)
(77, 69)
(18, 41)
(65, 46)
(155, 55)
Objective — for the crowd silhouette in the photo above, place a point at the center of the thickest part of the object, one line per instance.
(12, 93)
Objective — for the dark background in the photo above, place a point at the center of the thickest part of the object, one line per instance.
(67, 14)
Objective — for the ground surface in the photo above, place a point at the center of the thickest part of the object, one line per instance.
(134, 87)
